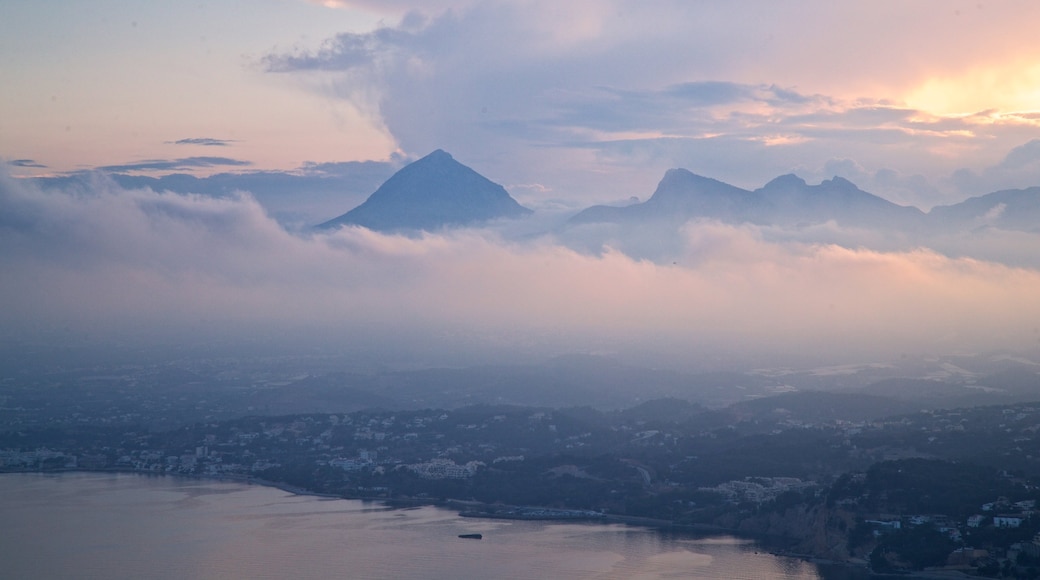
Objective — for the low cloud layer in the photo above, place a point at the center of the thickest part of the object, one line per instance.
(111, 263)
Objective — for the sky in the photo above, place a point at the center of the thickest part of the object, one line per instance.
(572, 103)
(566, 105)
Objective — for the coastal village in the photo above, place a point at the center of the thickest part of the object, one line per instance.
(938, 490)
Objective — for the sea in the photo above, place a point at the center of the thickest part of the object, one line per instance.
(120, 525)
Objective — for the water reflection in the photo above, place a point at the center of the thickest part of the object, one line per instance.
(130, 526)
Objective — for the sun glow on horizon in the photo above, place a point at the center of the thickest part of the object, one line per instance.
(1006, 88)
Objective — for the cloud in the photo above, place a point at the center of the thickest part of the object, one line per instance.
(350, 168)
(691, 109)
(1019, 169)
(171, 164)
(708, 93)
(1023, 156)
(26, 163)
(567, 88)
(343, 52)
(299, 198)
(204, 141)
(458, 80)
(113, 263)
(393, 7)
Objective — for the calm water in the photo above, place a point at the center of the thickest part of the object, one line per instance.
(87, 525)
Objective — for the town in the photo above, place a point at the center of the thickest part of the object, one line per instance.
(952, 489)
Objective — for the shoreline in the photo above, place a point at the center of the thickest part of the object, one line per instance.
(761, 544)
(456, 505)
(464, 508)
(471, 509)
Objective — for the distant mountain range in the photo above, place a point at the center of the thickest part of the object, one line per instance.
(438, 192)
(429, 194)
(789, 201)
(1010, 209)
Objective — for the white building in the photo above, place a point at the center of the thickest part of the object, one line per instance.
(1006, 521)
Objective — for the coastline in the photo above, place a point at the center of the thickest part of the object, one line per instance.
(474, 509)
(327, 538)
(464, 508)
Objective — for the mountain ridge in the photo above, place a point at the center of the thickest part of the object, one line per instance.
(786, 200)
(437, 192)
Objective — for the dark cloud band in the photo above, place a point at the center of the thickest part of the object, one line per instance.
(182, 163)
(204, 141)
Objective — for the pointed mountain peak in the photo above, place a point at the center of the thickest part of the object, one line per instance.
(438, 155)
(431, 193)
(684, 180)
(683, 184)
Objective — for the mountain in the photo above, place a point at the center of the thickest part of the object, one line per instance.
(679, 196)
(432, 193)
(1011, 209)
(787, 200)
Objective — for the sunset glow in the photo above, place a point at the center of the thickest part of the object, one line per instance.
(1001, 89)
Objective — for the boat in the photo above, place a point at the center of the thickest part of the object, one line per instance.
(471, 536)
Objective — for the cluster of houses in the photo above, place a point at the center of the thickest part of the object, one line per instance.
(1010, 515)
(758, 489)
(1000, 514)
(13, 458)
(441, 468)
